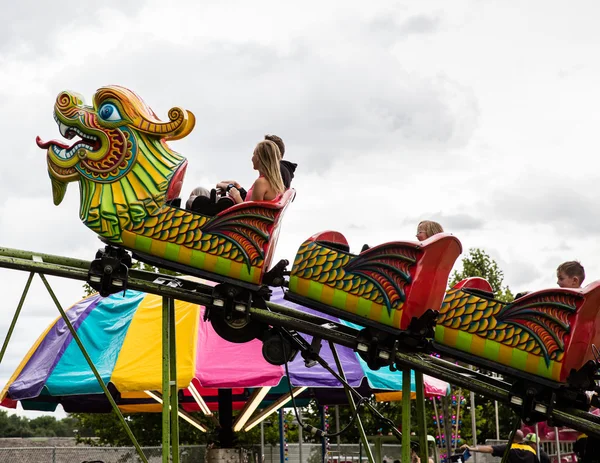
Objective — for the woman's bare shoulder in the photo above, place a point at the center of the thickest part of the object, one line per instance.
(261, 181)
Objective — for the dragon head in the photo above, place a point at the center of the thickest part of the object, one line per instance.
(107, 137)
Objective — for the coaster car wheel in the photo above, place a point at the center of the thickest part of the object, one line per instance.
(277, 348)
(235, 328)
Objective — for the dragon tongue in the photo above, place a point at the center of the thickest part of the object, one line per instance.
(47, 144)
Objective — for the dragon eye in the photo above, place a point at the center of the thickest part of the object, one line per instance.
(109, 112)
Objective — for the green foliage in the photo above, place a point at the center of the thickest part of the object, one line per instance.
(43, 426)
(107, 429)
(477, 263)
(271, 429)
(372, 425)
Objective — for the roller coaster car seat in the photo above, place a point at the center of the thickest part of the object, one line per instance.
(385, 286)
(548, 333)
(476, 285)
(236, 246)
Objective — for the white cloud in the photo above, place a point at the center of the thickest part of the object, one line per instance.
(478, 115)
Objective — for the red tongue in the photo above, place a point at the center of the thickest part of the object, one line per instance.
(46, 144)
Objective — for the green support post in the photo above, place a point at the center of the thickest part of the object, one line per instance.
(421, 423)
(378, 450)
(278, 315)
(166, 375)
(352, 404)
(406, 414)
(173, 382)
(17, 313)
(447, 426)
(94, 370)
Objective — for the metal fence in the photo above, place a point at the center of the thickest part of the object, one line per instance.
(309, 453)
(187, 454)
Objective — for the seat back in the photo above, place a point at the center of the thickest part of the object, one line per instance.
(430, 275)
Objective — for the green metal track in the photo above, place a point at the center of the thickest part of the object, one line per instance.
(277, 315)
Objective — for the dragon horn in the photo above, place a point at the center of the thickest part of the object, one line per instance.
(181, 123)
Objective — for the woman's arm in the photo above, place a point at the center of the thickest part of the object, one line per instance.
(223, 184)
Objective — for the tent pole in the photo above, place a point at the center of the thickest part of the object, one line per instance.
(226, 418)
(174, 400)
(406, 414)
(17, 313)
(300, 438)
(421, 423)
(166, 371)
(262, 441)
(352, 404)
(474, 424)
(447, 427)
(281, 439)
(359, 451)
(337, 429)
(458, 394)
(94, 370)
(557, 438)
(323, 439)
(437, 420)
(497, 420)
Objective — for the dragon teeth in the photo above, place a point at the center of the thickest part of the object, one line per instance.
(61, 153)
(63, 129)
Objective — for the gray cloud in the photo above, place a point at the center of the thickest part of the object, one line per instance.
(325, 108)
(567, 210)
(33, 25)
(388, 30)
(420, 24)
(520, 274)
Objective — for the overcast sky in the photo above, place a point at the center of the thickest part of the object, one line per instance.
(481, 115)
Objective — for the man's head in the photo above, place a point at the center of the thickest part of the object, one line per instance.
(570, 274)
(531, 439)
(518, 436)
(278, 141)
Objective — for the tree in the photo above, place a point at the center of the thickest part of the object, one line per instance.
(477, 263)
(43, 426)
(146, 427)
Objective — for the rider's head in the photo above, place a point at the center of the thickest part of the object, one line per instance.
(570, 274)
(266, 159)
(278, 141)
(428, 228)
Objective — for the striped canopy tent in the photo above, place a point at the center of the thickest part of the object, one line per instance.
(122, 335)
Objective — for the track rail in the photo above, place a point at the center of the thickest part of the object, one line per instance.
(278, 315)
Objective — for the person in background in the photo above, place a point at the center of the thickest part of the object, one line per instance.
(198, 191)
(425, 229)
(531, 439)
(517, 453)
(428, 228)
(570, 275)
